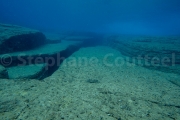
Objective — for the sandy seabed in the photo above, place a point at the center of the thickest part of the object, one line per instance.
(90, 91)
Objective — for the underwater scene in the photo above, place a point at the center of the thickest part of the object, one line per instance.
(90, 60)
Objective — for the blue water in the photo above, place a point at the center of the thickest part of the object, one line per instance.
(153, 17)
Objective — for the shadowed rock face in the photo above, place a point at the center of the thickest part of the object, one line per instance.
(15, 38)
(22, 42)
(3, 72)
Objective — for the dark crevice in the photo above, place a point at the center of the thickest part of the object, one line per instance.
(61, 56)
(175, 82)
(163, 104)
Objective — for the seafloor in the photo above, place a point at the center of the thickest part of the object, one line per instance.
(91, 86)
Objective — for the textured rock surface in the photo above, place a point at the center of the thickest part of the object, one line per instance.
(15, 38)
(125, 92)
(3, 72)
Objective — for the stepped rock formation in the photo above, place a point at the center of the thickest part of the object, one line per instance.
(22, 48)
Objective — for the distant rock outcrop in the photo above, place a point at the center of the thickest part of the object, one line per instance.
(159, 53)
(15, 38)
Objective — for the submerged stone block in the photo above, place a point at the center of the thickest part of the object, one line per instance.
(15, 38)
(34, 71)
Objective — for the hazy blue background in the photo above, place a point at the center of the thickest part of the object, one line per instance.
(112, 16)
